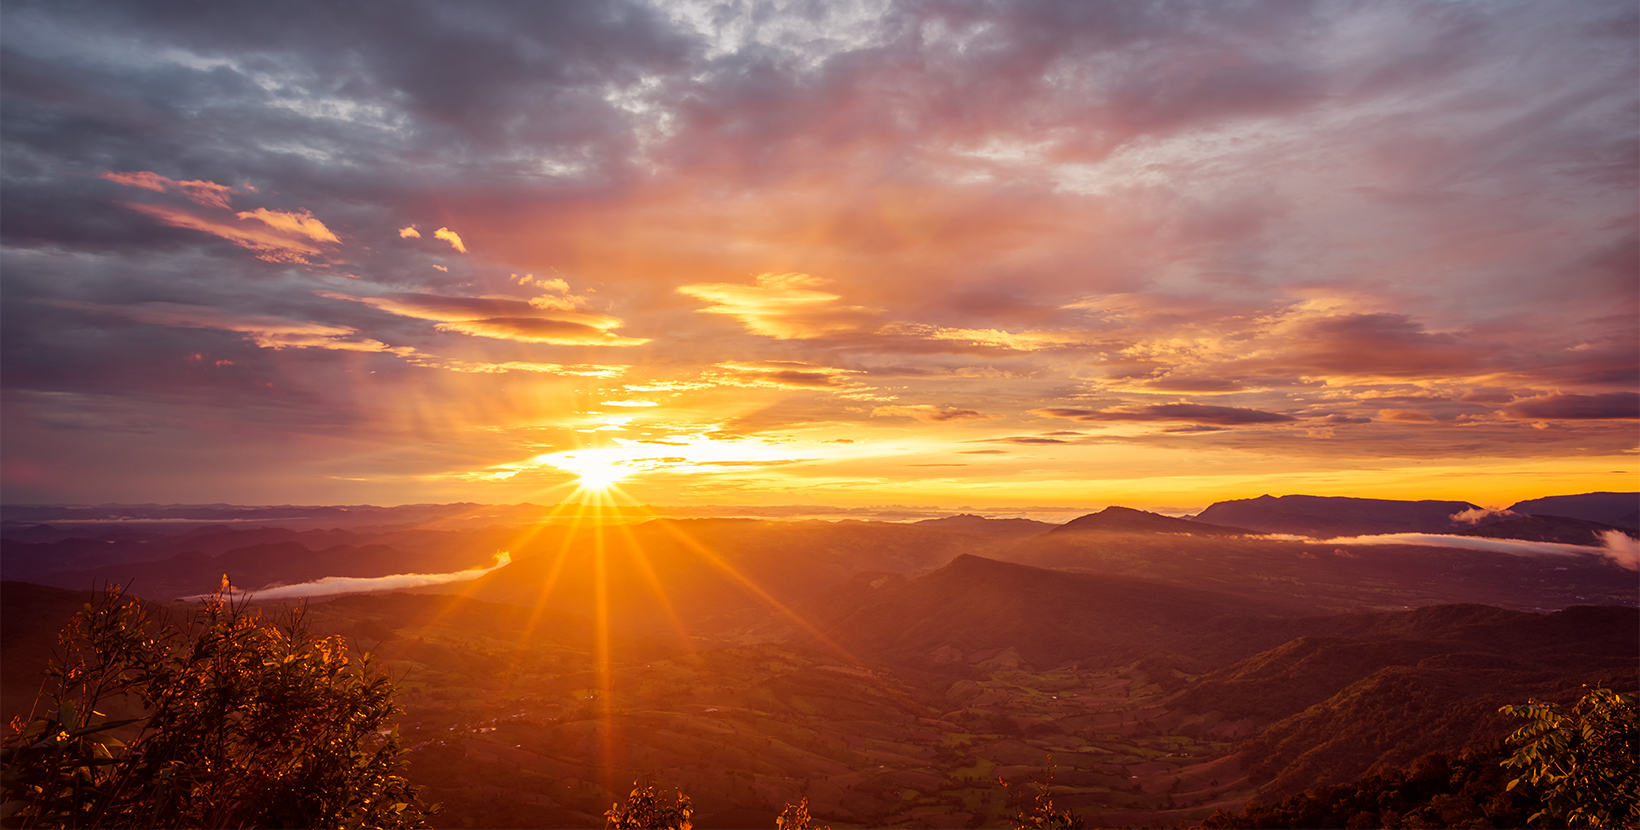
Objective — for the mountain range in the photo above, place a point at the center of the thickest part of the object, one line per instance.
(892, 671)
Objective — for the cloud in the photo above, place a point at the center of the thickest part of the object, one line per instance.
(783, 373)
(1617, 546)
(449, 236)
(1562, 407)
(1620, 548)
(932, 414)
(266, 246)
(409, 233)
(1476, 515)
(205, 193)
(1410, 416)
(501, 319)
(266, 331)
(1190, 412)
(782, 306)
(1023, 341)
(586, 370)
(299, 223)
(331, 586)
(1376, 345)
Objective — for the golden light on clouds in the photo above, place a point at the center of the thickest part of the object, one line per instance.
(1112, 272)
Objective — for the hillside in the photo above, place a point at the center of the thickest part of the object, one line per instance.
(1616, 509)
(1127, 520)
(1547, 529)
(1333, 578)
(976, 610)
(713, 574)
(1396, 686)
(1327, 517)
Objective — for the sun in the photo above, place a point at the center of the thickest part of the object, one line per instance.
(593, 472)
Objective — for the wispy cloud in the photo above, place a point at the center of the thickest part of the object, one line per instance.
(501, 319)
(1195, 413)
(932, 414)
(205, 193)
(265, 331)
(268, 246)
(782, 306)
(301, 222)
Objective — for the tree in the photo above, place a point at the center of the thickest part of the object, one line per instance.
(796, 817)
(643, 810)
(1583, 762)
(1040, 813)
(245, 724)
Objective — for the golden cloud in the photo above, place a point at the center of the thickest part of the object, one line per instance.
(205, 193)
(268, 246)
(450, 236)
(782, 306)
(783, 374)
(932, 414)
(300, 223)
(501, 319)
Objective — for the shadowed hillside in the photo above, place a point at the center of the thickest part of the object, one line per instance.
(1384, 689)
(1616, 509)
(1547, 529)
(1325, 517)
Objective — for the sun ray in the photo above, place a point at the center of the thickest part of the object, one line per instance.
(745, 582)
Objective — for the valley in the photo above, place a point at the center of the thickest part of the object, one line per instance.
(912, 675)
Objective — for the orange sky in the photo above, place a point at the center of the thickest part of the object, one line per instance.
(1056, 254)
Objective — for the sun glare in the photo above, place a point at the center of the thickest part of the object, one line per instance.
(593, 473)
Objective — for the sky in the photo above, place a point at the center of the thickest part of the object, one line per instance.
(981, 255)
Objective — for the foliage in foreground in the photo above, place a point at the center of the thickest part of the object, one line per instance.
(1039, 813)
(644, 810)
(244, 724)
(796, 817)
(1583, 762)
(1574, 770)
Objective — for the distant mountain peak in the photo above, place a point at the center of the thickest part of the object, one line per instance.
(1117, 519)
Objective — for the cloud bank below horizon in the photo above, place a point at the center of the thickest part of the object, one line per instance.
(1616, 546)
(332, 586)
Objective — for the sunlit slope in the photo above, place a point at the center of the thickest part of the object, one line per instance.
(709, 574)
(1326, 577)
(974, 609)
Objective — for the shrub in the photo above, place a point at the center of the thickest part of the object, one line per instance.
(245, 724)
